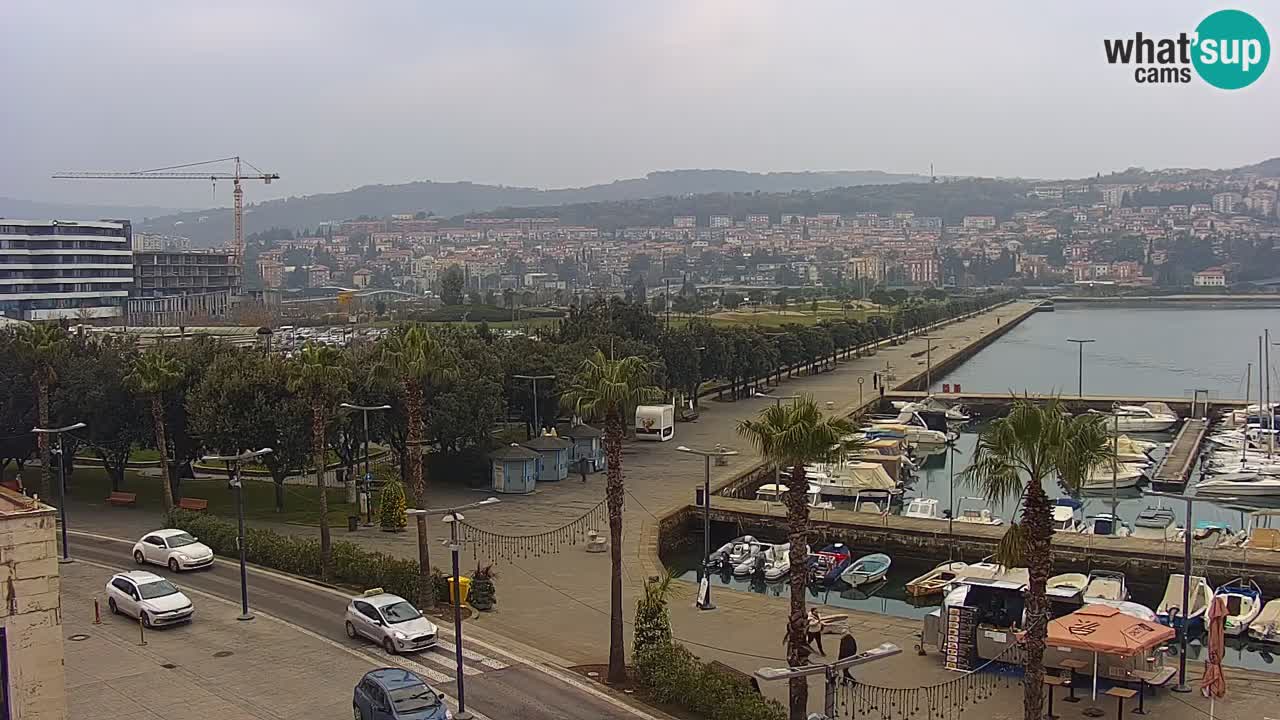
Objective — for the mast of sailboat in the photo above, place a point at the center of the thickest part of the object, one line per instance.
(1248, 388)
(1262, 385)
(1271, 412)
(1115, 465)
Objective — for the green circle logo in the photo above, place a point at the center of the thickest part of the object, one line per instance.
(1232, 49)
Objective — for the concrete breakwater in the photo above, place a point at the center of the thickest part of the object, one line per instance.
(1144, 561)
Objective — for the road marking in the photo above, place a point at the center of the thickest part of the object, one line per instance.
(533, 662)
(448, 648)
(365, 656)
(435, 675)
(447, 661)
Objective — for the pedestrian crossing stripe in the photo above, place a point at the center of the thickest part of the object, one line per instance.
(473, 656)
(437, 657)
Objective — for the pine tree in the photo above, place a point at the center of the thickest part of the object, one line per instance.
(391, 507)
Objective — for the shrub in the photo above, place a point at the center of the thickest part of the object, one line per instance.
(653, 625)
(353, 566)
(391, 503)
(483, 593)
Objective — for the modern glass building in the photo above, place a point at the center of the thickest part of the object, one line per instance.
(58, 269)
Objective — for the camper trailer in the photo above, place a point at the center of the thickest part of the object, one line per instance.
(655, 422)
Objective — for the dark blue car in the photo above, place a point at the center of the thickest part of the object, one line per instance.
(396, 694)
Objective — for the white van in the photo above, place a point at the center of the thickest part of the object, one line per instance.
(655, 422)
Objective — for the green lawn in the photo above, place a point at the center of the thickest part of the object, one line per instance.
(302, 503)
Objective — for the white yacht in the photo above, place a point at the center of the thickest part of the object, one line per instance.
(908, 425)
(1242, 484)
(1155, 524)
(1148, 417)
(1066, 515)
(975, 514)
(1104, 477)
(953, 413)
(851, 479)
(773, 492)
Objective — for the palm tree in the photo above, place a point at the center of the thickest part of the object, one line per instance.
(791, 436)
(44, 345)
(318, 373)
(154, 374)
(611, 389)
(1015, 455)
(418, 359)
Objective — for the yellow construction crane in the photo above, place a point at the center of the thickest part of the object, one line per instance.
(168, 173)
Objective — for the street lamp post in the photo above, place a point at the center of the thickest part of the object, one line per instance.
(368, 475)
(928, 362)
(62, 482)
(1081, 342)
(831, 671)
(535, 378)
(233, 479)
(1186, 579)
(704, 594)
(453, 516)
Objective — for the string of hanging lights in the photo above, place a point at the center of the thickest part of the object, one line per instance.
(495, 546)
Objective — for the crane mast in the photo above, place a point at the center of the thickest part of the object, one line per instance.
(171, 173)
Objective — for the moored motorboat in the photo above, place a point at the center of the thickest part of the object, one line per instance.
(777, 562)
(1170, 611)
(867, 569)
(852, 478)
(1244, 604)
(1106, 585)
(751, 563)
(1244, 484)
(1069, 581)
(774, 492)
(1066, 515)
(1155, 523)
(922, 508)
(731, 553)
(976, 515)
(1266, 627)
(1104, 477)
(933, 582)
(1105, 524)
(826, 565)
(1148, 417)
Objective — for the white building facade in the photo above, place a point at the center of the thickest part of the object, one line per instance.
(56, 269)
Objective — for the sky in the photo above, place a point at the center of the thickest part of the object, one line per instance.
(556, 93)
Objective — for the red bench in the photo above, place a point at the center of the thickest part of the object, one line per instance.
(122, 498)
(193, 504)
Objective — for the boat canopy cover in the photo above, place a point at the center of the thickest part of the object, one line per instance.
(1104, 629)
(870, 476)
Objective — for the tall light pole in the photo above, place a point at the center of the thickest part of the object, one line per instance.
(704, 594)
(831, 671)
(1186, 578)
(368, 476)
(62, 482)
(453, 516)
(1080, 342)
(535, 378)
(233, 479)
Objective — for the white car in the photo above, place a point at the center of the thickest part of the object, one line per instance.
(389, 620)
(175, 549)
(148, 597)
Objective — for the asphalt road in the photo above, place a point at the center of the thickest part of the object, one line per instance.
(499, 685)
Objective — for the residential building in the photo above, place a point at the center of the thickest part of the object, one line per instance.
(272, 273)
(1113, 195)
(922, 270)
(869, 268)
(34, 687)
(57, 269)
(360, 279)
(758, 221)
(978, 222)
(1225, 202)
(1210, 277)
(317, 276)
(721, 221)
(684, 221)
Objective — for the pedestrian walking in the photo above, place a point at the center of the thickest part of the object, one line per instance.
(815, 631)
(848, 648)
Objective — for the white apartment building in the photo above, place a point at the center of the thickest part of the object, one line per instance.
(58, 269)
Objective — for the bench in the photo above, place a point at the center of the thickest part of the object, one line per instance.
(193, 504)
(122, 498)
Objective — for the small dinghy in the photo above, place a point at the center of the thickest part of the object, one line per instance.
(826, 565)
(777, 562)
(1266, 627)
(1171, 613)
(1069, 581)
(754, 559)
(1244, 603)
(934, 581)
(731, 553)
(867, 569)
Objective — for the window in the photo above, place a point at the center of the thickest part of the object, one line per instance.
(181, 540)
(400, 612)
(153, 540)
(367, 610)
(123, 586)
(414, 698)
(157, 589)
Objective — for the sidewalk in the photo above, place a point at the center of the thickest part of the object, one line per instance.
(560, 603)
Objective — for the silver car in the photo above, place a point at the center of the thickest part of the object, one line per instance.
(389, 620)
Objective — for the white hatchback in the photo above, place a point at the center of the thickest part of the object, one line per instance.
(175, 549)
(148, 597)
(391, 621)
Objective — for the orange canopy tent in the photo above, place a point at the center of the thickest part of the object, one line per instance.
(1105, 630)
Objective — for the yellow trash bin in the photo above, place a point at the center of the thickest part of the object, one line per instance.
(465, 583)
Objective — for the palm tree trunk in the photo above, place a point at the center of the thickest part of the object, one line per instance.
(1037, 528)
(417, 477)
(797, 620)
(46, 469)
(317, 450)
(162, 444)
(614, 498)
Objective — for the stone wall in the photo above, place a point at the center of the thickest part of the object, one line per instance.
(31, 610)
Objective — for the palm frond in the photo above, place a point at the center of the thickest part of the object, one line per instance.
(1009, 552)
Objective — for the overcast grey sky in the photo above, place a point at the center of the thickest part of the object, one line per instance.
(555, 93)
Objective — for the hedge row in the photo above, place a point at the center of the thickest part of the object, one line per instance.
(353, 566)
(672, 674)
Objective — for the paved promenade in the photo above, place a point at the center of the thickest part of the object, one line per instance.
(560, 603)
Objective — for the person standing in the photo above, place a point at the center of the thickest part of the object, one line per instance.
(815, 631)
(848, 648)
